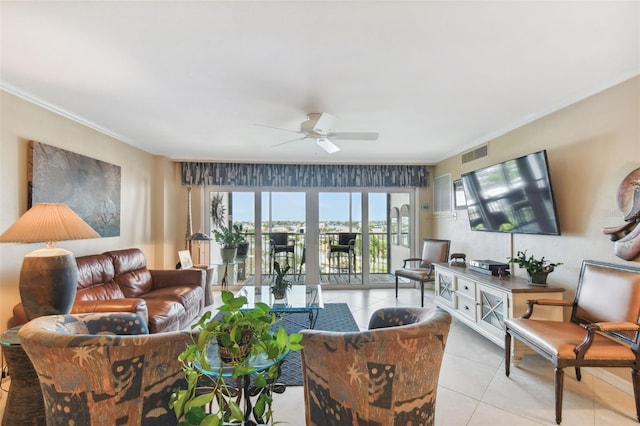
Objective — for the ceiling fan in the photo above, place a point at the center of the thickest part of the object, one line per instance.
(318, 127)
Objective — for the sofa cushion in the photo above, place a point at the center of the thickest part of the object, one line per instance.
(183, 295)
(189, 297)
(131, 272)
(165, 315)
(95, 278)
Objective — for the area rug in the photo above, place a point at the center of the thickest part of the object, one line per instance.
(334, 317)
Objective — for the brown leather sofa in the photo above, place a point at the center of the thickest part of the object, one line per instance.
(119, 281)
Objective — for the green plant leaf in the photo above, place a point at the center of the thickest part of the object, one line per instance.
(210, 420)
(295, 346)
(295, 338)
(195, 415)
(259, 408)
(236, 411)
(260, 381)
(200, 400)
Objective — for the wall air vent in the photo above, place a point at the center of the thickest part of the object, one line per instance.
(475, 154)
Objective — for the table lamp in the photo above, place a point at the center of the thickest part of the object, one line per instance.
(49, 276)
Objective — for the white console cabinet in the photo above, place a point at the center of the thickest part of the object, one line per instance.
(483, 302)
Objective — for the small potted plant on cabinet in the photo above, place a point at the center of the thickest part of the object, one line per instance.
(228, 238)
(229, 331)
(537, 269)
(280, 285)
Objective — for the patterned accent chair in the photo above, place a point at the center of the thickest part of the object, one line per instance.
(387, 375)
(104, 368)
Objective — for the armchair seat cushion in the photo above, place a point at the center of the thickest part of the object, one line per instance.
(561, 338)
(417, 274)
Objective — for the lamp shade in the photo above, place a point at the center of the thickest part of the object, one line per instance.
(199, 236)
(49, 276)
(48, 222)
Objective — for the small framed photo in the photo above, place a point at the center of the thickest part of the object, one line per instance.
(459, 201)
(185, 259)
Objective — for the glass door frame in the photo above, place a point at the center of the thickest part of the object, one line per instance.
(312, 269)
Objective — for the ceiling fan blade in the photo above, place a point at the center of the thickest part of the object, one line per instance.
(292, 140)
(325, 123)
(354, 136)
(277, 128)
(327, 145)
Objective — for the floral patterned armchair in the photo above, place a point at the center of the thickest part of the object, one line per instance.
(387, 375)
(104, 368)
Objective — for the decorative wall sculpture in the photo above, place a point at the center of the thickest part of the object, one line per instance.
(88, 186)
(627, 236)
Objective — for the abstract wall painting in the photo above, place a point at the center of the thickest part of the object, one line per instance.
(90, 187)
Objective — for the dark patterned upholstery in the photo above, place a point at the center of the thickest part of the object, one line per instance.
(387, 375)
(104, 368)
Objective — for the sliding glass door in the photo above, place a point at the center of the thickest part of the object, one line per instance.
(340, 237)
(327, 237)
(283, 225)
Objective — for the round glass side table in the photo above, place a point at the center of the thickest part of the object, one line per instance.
(24, 405)
(242, 391)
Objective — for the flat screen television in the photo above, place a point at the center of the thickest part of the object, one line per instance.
(514, 196)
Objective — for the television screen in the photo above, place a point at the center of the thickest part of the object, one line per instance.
(513, 196)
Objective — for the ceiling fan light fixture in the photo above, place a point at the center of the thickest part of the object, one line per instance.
(318, 128)
(327, 145)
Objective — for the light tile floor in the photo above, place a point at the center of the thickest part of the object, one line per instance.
(473, 389)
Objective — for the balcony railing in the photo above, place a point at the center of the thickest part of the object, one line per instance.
(378, 253)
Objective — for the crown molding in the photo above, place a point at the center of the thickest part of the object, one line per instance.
(60, 111)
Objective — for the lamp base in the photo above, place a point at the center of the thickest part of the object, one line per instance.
(48, 282)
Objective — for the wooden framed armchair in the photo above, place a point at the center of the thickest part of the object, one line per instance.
(603, 330)
(387, 375)
(433, 251)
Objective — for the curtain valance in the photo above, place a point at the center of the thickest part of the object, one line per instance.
(305, 175)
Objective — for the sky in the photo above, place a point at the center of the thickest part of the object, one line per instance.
(290, 206)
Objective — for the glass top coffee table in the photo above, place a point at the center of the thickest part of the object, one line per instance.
(299, 299)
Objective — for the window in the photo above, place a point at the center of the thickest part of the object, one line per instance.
(394, 231)
(442, 194)
(404, 225)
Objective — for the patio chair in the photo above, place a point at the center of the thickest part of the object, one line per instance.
(346, 245)
(279, 247)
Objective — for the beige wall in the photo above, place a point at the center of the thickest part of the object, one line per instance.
(591, 146)
(147, 190)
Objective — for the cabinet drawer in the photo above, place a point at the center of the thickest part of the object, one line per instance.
(467, 307)
(466, 288)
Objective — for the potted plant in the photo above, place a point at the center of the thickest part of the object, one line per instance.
(280, 285)
(228, 238)
(227, 331)
(537, 269)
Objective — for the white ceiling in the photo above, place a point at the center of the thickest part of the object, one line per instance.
(190, 80)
